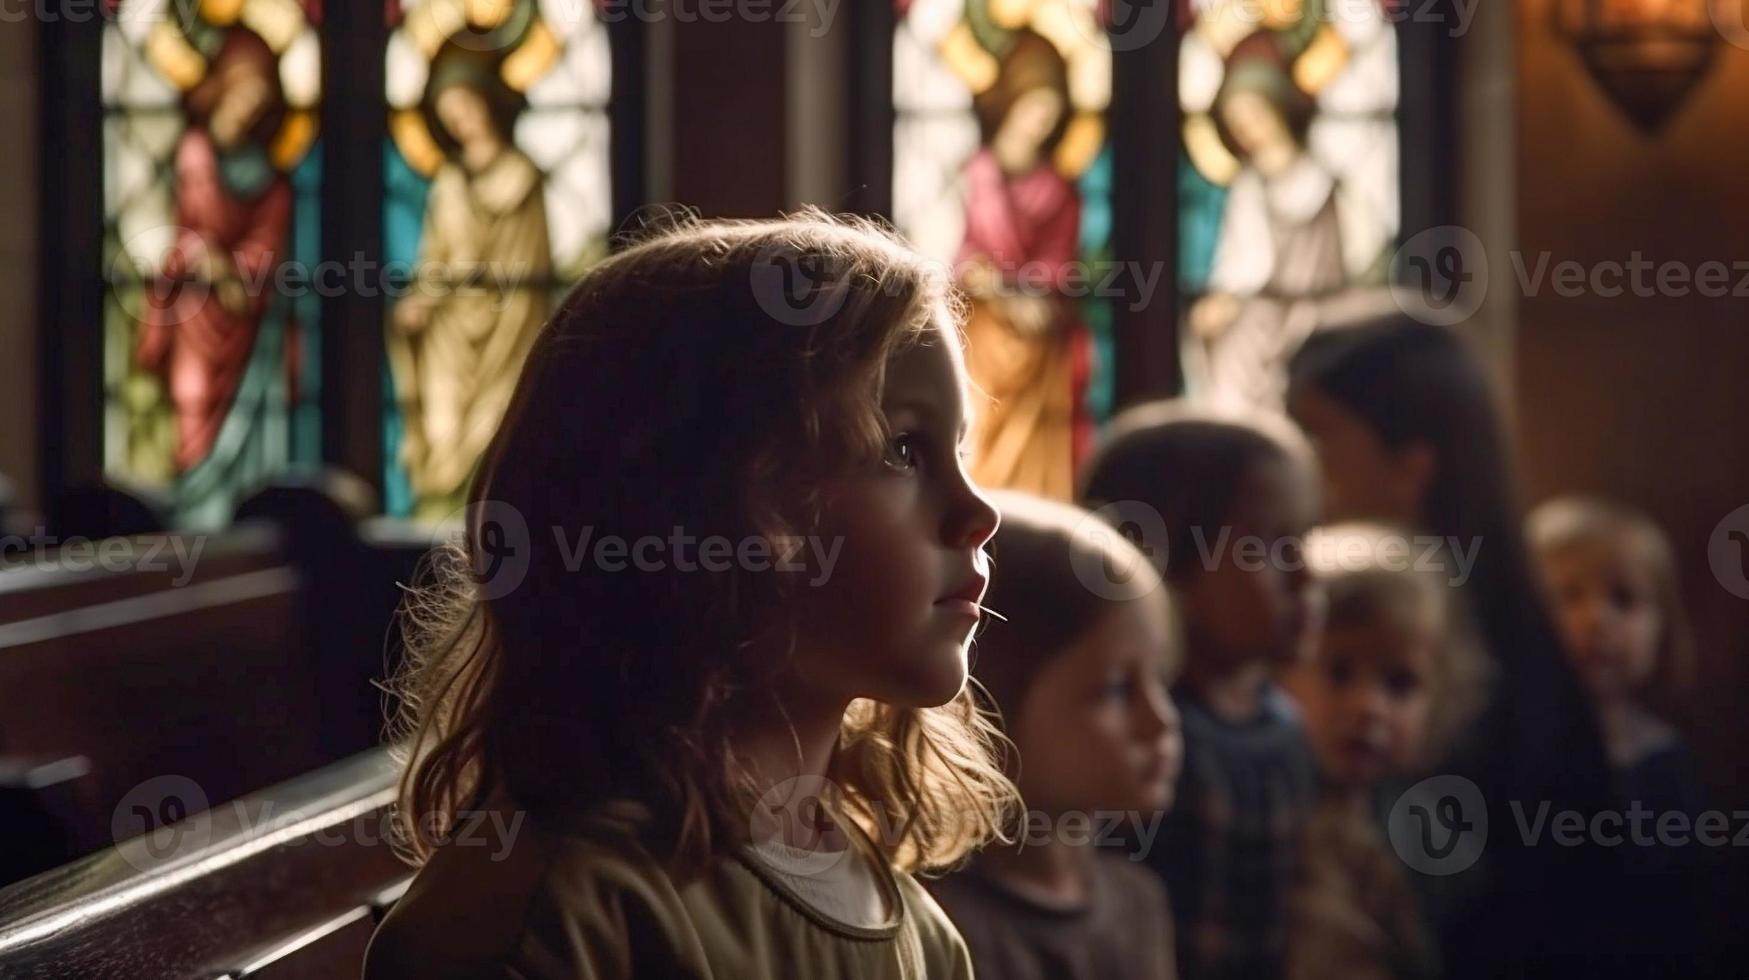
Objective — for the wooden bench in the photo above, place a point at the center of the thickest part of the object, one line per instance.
(132, 678)
(131, 567)
(285, 884)
(232, 659)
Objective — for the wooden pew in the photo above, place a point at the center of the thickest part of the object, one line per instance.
(212, 682)
(285, 884)
(256, 660)
(131, 567)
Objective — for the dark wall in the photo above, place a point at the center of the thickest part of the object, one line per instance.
(728, 119)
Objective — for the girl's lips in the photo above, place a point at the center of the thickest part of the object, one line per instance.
(963, 607)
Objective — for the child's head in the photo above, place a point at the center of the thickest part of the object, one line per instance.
(1391, 673)
(1080, 668)
(1404, 423)
(727, 487)
(1612, 581)
(1232, 498)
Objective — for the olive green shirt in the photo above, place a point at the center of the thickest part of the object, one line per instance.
(582, 899)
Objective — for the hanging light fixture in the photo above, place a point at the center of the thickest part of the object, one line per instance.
(1646, 55)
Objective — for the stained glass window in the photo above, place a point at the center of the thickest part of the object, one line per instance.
(1289, 195)
(212, 173)
(1001, 170)
(498, 194)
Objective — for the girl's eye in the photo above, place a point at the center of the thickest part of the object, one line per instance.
(902, 451)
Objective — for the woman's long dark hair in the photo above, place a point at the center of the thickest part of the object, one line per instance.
(1411, 383)
(1538, 739)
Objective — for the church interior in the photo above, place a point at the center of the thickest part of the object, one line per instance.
(284, 281)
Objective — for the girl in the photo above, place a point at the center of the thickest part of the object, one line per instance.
(1081, 679)
(1612, 578)
(1223, 504)
(704, 659)
(1611, 575)
(1389, 676)
(1404, 423)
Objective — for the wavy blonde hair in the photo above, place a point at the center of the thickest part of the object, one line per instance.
(669, 392)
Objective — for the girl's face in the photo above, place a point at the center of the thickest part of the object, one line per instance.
(1363, 478)
(1607, 606)
(1251, 598)
(894, 616)
(1096, 729)
(1366, 697)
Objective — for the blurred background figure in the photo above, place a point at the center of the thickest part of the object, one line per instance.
(1214, 489)
(1079, 667)
(1406, 431)
(1612, 581)
(1391, 678)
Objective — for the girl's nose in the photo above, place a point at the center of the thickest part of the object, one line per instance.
(1159, 717)
(974, 519)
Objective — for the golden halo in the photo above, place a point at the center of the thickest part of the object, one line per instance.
(428, 26)
(278, 23)
(1069, 28)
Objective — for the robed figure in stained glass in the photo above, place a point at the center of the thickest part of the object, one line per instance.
(1027, 349)
(215, 328)
(1280, 239)
(457, 341)
(1292, 150)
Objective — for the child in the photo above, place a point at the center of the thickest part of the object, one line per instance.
(1404, 422)
(705, 668)
(1388, 679)
(1611, 576)
(1612, 579)
(1080, 678)
(1233, 499)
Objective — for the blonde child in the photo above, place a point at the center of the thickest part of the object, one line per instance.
(1612, 583)
(1079, 667)
(1222, 505)
(1611, 578)
(1391, 675)
(705, 647)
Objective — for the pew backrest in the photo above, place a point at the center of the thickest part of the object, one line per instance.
(282, 884)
